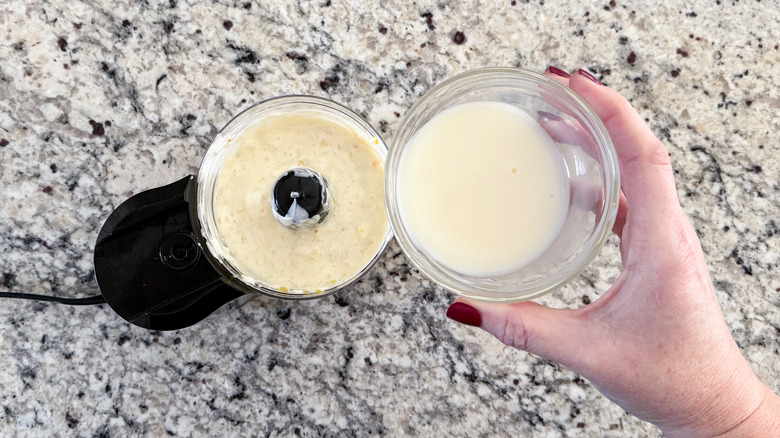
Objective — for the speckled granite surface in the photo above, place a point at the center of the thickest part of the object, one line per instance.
(98, 102)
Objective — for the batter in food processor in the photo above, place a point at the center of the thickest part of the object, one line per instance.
(299, 203)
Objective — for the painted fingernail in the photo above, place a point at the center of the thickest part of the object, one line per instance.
(549, 117)
(464, 314)
(557, 71)
(589, 76)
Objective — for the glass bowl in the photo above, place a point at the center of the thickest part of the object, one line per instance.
(590, 168)
(217, 250)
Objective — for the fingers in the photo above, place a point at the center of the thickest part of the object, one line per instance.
(646, 173)
(554, 334)
(569, 132)
(558, 74)
(647, 180)
(620, 219)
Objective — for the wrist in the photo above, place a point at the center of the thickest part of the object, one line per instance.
(734, 404)
(764, 421)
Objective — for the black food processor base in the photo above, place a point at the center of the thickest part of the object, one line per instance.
(149, 265)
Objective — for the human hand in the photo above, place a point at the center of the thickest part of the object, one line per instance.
(656, 342)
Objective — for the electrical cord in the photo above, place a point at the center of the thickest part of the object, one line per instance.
(86, 301)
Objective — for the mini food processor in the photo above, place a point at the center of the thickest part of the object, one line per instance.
(160, 261)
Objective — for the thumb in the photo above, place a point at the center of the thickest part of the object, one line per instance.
(554, 334)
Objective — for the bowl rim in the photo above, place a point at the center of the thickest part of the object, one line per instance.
(611, 198)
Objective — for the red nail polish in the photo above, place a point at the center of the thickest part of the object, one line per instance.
(589, 76)
(549, 117)
(557, 71)
(464, 314)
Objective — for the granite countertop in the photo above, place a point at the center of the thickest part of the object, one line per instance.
(99, 102)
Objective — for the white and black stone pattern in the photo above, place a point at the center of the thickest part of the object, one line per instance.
(99, 102)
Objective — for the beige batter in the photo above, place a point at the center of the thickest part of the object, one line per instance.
(309, 260)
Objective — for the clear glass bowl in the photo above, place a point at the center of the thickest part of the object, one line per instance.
(216, 249)
(591, 168)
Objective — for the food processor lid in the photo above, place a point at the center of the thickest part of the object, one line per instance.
(149, 264)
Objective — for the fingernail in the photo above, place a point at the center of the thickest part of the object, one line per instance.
(549, 117)
(589, 76)
(557, 71)
(464, 314)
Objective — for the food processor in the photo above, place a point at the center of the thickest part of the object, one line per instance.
(159, 259)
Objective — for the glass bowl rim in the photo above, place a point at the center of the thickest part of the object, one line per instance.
(611, 178)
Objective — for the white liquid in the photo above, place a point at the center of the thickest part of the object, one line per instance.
(482, 189)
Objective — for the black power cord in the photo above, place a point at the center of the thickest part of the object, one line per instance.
(86, 301)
